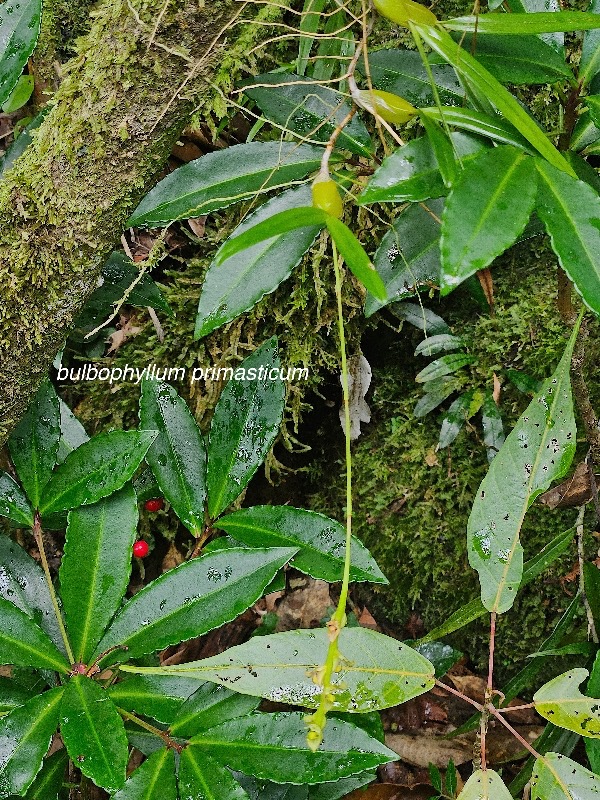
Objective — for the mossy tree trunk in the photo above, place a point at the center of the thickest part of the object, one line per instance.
(63, 206)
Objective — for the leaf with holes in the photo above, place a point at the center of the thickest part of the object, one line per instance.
(19, 31)
(561, 703)
(485, 785)
(556, 777)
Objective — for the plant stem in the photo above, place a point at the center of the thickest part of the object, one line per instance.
(151, 729)
(581, 558)
(38, 535)
(516, 734)
(462, 696)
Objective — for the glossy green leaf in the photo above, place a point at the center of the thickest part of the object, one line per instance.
(445, 365)
(33, 444)
(238, 283)
(589, 63)
(436, 392)
(19, 31)
(25, 736)
(570, 209)
(408, 258)
(356, 257)
(411, 173)
(156, 696)
(376, 671)
(273, 746)
(469, 68)
(538, 451)
(523, 24)
(96, 566)
(203, 778)
(191, 600)
(155, 778)
(96, 469)
(402, 72)
(20, 95)
(442, 147)
(13, 502)
(442, 656)
(72, 432)
(244, 426)
(49, 780)
(493, 428)
(481, 124)
(227, 176)
(422, 318)
(555, 40)
(321, 540)
(178, 454)
(441, 343)
(334, 49)
(267, 790)
(209, 705)
(309, 24)
(486, 211)
(308, 109)
(485, 785)
(556, 777)
(12, 695)
(454, 419)
(25, 644)
(562, 704)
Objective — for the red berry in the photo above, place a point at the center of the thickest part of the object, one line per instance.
(141, 549)
(155, 504)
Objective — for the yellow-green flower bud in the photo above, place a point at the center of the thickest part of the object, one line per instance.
(325, 195)
(404, 11)
(390, 107)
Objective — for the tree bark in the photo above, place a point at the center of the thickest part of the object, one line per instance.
(64, 203)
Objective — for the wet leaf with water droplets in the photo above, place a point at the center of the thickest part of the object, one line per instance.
(208, 706)
(13, 502)
(156, 696)
(19, 31)
(25, 644)
(155, 778)
(203, 778)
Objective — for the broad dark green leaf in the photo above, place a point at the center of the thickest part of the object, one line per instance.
(49, 780)
(334, 49)
(273, 746)
(469, 68)
(402, 72)
(227, 176)
(422, 318)
(491, 126)
(356, 258)
(443, 149)
(308, 109)
(203, 778)
(493, 429)
(522, 24)
(485, 785)
(376, 671)
(156, 696)
(242, 280)
(19, 31)
(436, 392)
(555, 40)
(96, 566)
(12, 694)
(178, 454)
(191, 599)
(570, 210)
(14, 503)
(454, 419)
(25, 736)
(309, 24)
(442, 656)
(267, 790)
(538, 451)
(556, 777)
(20, 144)
(244, 426)
(486, 211)
(322, 541)
(20, 95)
(155, 778)
(561, 703)
(93, 733)
(523, 382)
(441, 343)
(96, 469)
(445, 365)
(72, 432)
(25, 644)
(408, 258)
(209, 705)
(589, 63)
(411, 173)
(33, 444)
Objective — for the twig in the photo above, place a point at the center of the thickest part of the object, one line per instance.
(582, 395)
(495, 713)
(581, 558)
(462, 696)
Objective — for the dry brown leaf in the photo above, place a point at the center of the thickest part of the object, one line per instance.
(173, 558)
(497, 389)
(120, 336)
(425, 747)
(198, 225)
(431, 459)
(575, 491)
(305, 606)
(487, 284)
(472, 686)
(367, 620)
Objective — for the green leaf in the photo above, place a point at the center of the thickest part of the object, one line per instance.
(33, 444)
(569, 209)
(209, 706)
(191, 600)
(202, 778)
(477, 122)
(437, 392)
(486, 211)
(308, 109)
(556, 777)
(20, 95)
(13, 502)
(442, 656)
(376, 671)
(402, 72)
(242, 280)
(19, 31)
(96, 469)
(443, 149)
(356, 258)
(309, 24)
(244, 426)
(408, 258)
(178, 454)
(589, 63)
(321, 541)
(591, 579)
(96, 566)
(155, 778)
(24, 644)
(441, 343)
(454, 419)
(469, 68)
(72, 432)
(49, 780)
(493, 429)
(273, 746)
(561, 703)
(25, 736)
(227, 176)
(93, 733)
(445, 365)
(12, 695)
(422, 318)
(485, 785)
(21, 143)
(538, 451)
(156, 696)
(525, 24)
(334, 49)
